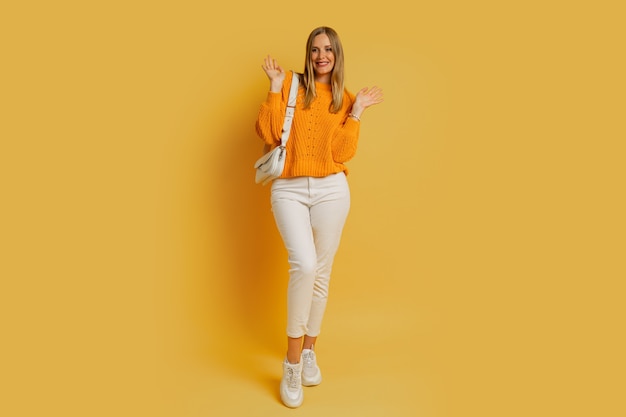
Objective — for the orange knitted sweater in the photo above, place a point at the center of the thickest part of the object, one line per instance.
(320, 142)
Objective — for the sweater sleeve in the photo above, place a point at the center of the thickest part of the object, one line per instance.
(346, 138)
(269, 124)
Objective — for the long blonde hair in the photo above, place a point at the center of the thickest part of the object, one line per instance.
(336, 81)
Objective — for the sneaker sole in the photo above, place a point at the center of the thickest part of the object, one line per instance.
(296, 404)
(312, 383)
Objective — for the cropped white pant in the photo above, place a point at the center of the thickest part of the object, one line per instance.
(310, 214)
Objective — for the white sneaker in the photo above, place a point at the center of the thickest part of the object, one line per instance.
(291, 384)
(311, 374)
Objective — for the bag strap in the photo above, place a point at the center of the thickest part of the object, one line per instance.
(290, 110)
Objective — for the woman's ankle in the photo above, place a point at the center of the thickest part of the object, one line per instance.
(293, 360)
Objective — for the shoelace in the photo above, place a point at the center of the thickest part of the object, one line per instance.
(308, 359)
(292, 379)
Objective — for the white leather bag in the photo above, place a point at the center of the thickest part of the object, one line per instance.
(270, 166)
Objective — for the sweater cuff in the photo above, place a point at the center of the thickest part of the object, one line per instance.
(351, 120)
(352, 125)
(273, 99)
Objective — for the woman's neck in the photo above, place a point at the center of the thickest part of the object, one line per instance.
(322, 79)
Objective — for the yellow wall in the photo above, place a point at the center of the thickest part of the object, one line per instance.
(141, 271)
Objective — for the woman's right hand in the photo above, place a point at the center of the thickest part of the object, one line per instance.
(275, 73)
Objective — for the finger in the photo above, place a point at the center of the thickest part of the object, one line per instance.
(376, 94)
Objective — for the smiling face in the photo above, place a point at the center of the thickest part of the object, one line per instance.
(323, 58)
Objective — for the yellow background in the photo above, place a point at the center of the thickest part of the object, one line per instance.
(481, 269)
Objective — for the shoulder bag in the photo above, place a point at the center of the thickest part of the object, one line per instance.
(270, 166)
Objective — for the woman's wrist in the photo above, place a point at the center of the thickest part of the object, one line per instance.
(355, 117)
(276, 86)
(357, 111)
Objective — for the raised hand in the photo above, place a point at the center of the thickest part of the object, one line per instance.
(274, 72)
(367, 97)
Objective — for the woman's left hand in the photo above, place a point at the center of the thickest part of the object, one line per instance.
(365, 98)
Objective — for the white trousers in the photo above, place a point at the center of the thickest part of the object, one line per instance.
(310, 214)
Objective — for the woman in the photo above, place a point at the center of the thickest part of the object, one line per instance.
(311, 199)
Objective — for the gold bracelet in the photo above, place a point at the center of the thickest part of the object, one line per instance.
(354, 116)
